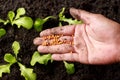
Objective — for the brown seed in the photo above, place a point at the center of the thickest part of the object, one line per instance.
(45, 37)
(60, 42)
(55, 40)
(48, 37)
(52, 36)
(44, 43)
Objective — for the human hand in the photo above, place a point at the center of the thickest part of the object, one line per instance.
(96, 41)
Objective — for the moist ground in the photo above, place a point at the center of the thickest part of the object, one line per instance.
(55, 70)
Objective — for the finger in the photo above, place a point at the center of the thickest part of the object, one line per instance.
(65, 30)
(66, 57)
(63, 48)
(71, 57)
(40, 41)
(81, 15)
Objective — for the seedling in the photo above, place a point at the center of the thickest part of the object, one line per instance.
(69, 67)
(6, 67)
(68, 20)
(41, 59)
(20, 19)
(38, 24)
(2, 32)
(27, 73)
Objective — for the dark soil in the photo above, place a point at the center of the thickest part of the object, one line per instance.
(55, 70)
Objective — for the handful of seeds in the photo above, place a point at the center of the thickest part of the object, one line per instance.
(54, 40)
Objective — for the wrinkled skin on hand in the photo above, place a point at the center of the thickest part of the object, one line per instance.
(96, 41)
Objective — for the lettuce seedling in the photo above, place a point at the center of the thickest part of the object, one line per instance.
(19, 19)
(23, 21)
(2, 32)
(38, 24)
(6, 67)
(27, 73)
(41, 59)
(68, 20)
(16, 47)
(69, 67)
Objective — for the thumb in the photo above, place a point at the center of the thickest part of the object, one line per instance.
(81, 15)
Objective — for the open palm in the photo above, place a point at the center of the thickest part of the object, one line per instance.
(97, 41)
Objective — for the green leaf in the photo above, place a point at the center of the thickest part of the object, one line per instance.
(9, 58)
(68, 20)
(69, 67)
(38, 24)
(11, 15)
(16, 47)
(35, 58)
(2, 32)
(2, 21)
(42, 59)
(25, 22)
(27, 72)
(6, 22)
(20, 12)
(61, 14)
(45, 58)
(4, 69)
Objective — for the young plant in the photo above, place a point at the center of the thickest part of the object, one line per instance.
(38, 24)
(6, 67)
(68, 20)
(69, 67)
(2, 32)
(27, 73)
(41, 59)
(20, 19)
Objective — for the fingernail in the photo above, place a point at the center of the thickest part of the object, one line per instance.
(37, 41)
